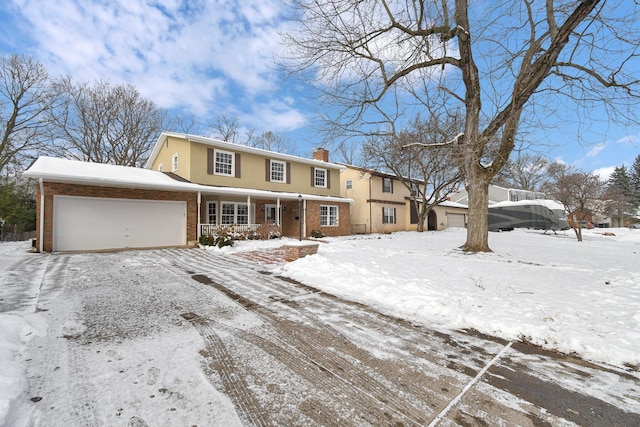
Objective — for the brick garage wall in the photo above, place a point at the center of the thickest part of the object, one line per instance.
(53, 188)
(313, 219)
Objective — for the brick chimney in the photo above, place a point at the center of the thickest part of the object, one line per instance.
(321, 154)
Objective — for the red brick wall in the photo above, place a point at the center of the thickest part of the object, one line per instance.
(52, 188)
(313, 219)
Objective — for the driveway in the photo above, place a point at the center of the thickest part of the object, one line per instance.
(190, 337)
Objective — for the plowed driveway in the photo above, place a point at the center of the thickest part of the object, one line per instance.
(189, 337)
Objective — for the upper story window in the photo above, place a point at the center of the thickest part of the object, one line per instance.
(174, 162)
(319, 177)
(387, 185)
(223, 163)
(415, 191)
(278, 171)
(349, 184)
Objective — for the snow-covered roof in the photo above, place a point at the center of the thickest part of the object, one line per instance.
(551, 204)
(450, 204)
(55, 169)
(236, 148)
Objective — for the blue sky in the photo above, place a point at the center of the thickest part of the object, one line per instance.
(214, 57)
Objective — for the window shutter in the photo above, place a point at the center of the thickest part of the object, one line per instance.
(267, 169)
(384, 218)
(210, 161)
(394, 214)
(288, 173)
(328, 178)
(391, 180)
(313, 176)
(237, 165)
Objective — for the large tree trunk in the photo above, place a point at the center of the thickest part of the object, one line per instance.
(478, 222)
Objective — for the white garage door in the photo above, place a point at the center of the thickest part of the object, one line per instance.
(455, 220)
(89, 223)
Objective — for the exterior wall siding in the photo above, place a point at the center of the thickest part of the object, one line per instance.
(51, 189)
(252, 170)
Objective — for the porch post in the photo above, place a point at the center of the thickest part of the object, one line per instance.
(249, 211)
(198, 234)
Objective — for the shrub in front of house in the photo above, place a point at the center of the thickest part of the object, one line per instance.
(317, 234)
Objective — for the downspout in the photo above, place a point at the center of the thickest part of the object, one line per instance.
(199, 230)
(370, 207)
(41, 234)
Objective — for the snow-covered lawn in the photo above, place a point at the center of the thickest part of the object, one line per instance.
(551, 290)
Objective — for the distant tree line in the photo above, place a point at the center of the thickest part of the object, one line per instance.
(96, 121)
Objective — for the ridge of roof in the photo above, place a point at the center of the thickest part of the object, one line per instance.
(214, 142)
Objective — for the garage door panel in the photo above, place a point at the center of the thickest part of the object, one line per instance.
(88, 223)
(455, 220)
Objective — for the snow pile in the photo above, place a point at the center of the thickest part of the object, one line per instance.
(547, 289)
(14, 335)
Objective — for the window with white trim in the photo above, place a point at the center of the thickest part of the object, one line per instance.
(234, 213)
(174, 162)
(212, 208)
(349, 184)
(278, 171)
(223, 163)
(388, 215)
(328, 215)
(160, 167)
(320, 177)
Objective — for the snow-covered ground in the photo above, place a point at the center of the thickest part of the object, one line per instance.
(551, 290)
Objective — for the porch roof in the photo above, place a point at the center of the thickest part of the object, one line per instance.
(53, 169)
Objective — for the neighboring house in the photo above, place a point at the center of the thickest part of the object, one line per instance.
(500, 194)
(191, 186)
(383, 204)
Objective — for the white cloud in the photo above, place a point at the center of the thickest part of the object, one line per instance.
(206, 56)
(596, 150)
(604, 173)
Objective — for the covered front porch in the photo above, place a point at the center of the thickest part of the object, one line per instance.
(251, 216)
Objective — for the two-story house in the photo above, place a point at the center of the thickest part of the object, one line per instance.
(190, 186)
(383, 204)
(248, 187)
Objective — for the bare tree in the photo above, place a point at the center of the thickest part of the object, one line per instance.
(525, 172)
(25, 100)
(420, 159)
(273, 141)
(348, 152)
(184, 124)
(105, 123)
(225, 127)
(502, 62)
(580, 192)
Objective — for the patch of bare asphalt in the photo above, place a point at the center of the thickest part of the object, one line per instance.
(316, 359)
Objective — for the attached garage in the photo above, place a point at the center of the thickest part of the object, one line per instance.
(93, 223)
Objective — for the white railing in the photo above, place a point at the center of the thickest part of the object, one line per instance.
(212, 229)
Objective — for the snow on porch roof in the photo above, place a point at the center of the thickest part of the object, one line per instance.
(67, 171)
